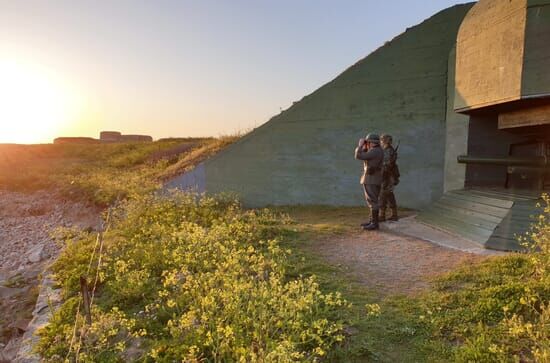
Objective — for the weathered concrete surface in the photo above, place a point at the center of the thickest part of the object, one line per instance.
(194, 180)
(489, 51)
(536, 77)
(456, 136)
(411, 227)
(305, 154)
(115, 136)
(503, 53)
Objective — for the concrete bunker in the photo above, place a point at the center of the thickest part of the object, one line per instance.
(502, 88)
(467, 94)
(498, 127)
(304, 155)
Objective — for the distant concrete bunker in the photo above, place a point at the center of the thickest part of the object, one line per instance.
(104, 137)
(115, 136)
(467, 94)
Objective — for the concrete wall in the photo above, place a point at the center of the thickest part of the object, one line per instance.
(305, 154)
(194, 180)
(456, 136)
(109, 136)
(503, 53)
(75, 140)
(536, 74)
(136, 138)
(490, 46)
(115, 136)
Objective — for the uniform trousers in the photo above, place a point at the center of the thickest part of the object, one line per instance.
(372, 195)
(387, 198)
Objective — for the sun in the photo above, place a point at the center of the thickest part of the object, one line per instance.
(34, 104)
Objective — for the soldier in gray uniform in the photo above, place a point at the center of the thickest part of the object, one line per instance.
(390, 178)
(371, 153)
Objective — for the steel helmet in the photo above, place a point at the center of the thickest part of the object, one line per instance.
(373, 138)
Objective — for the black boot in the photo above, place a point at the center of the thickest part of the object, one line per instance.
(393, 205)
(374, 225)
(382, 217)
(393, 216)
(369, 221)
(383, 203)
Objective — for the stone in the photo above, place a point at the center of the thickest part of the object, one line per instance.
(35, 254)
(48, 297)
(31, 272)
(21, 325)
(9, 352)
(3, 358)
(134, 350)
(7, 292)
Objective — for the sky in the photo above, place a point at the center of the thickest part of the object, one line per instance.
(171, 68)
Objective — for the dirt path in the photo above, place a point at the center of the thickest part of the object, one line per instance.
(391, 263)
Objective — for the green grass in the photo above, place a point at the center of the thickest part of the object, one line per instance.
(497, 310)
(328, 218)
(397, 334)
(101, 173)
(494, 311)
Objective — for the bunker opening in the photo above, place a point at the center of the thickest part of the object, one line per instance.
(509, 149)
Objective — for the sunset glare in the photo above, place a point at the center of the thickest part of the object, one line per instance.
(35, 105)
(177, 68)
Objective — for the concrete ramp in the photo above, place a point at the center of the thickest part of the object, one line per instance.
(493, 218)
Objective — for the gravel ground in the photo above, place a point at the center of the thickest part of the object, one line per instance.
(391, 263)
(26, 221)
(26, 248)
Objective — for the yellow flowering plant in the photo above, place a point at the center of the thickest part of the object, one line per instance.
(186, 277)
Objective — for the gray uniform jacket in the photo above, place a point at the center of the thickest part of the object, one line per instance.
(373, 159)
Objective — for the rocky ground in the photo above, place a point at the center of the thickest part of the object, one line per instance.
(26, 249)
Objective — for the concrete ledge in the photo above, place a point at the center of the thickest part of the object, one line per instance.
(410, 226)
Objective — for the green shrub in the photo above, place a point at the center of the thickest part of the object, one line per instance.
(191, 278)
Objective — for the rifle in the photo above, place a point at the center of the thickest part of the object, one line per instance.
(396, 172)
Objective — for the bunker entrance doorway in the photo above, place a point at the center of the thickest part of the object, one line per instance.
(512, 159)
